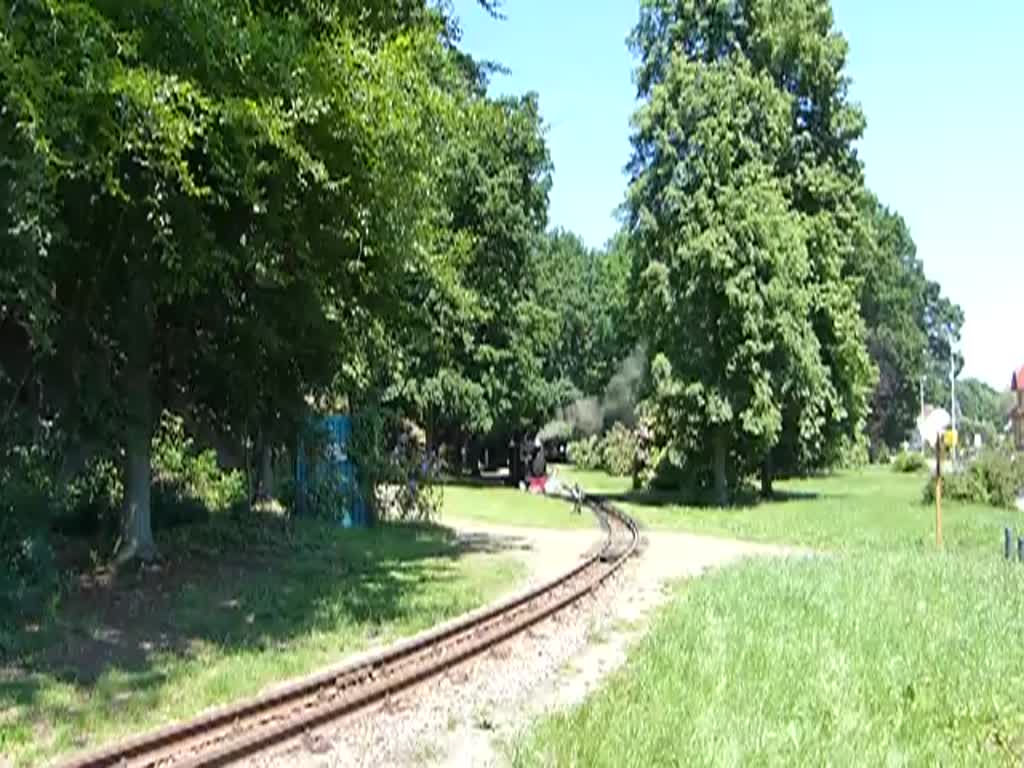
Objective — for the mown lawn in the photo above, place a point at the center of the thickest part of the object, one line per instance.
(488, 503)
(234, 609)
(883, 652)
(890, 659)
(595, 481)
(874, 508)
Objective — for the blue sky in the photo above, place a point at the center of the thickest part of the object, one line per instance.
(941, 82)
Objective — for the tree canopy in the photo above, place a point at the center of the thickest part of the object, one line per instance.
(234, 210)
(746, 127)
(909, 323)
(245, 213)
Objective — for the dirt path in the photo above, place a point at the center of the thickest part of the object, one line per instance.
(476, 715)
(545, 552)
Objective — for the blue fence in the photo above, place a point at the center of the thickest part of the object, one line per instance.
(332, 466)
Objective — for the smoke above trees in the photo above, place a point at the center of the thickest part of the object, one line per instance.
(587, 416)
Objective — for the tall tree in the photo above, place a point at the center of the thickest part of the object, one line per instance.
(794, 44)
(476, 364)
(982, 410)
(909, 322)
(723, 290)
(239, 187)
(588, 290)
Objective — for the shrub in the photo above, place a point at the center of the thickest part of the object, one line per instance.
(172, 506)
(586, 453)
(398, 477)
(909, 462)
(669, 474)
(882, 454)
(91, 507)
(853, 453)
(193, 476)
(618, 450)
(994, 478)
(28, 570)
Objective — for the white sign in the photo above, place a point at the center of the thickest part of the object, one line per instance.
(929, 428)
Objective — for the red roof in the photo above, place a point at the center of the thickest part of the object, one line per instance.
(1017, 382)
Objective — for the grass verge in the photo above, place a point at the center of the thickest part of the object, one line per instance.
(869, 659)
(595, 480)
(498, 505)
(237, 606)
(873, 508)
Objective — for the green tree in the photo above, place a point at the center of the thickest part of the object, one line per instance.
(723, 295)
(982, 410)
(476, 362)
(589, 291)
(908, 322)
(241, 190)
(794, 44)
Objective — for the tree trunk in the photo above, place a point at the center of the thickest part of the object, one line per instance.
(136, 523)
(460, 454)
(718, 441)
(473, 456)
(767, 477)
(518, 471)
(265, 474)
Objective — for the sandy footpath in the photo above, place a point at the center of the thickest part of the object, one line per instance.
(475, 715)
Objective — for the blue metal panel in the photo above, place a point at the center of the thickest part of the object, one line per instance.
(335, 466)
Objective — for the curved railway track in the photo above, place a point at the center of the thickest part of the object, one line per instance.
(232, 733)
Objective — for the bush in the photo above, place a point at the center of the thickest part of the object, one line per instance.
(172, 506)
(398, 477)
(1002, 475)
(618, 450)
(187, 486)
(853, 453)
(28, 569)
(193, 476)
(994, 478)
(614, 453)
(882, 454)
(586, 453)
(28, 572)
(909, 461)
(670, 475)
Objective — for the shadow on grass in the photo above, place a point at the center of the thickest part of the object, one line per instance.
(233, 585)
(486, 480)
(492, 543)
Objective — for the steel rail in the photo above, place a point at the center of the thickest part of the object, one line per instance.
(230, 733)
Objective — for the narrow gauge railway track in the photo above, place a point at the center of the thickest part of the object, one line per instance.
(232, 733)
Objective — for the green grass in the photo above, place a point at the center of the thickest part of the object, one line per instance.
(595, 481)
(874, 508)
(208, 629)
(509, 506)
(887, 659)
(884, 652)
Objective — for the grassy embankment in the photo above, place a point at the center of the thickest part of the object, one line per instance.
(236, 607)
(887, 653)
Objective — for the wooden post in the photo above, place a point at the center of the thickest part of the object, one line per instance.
(938, 490)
